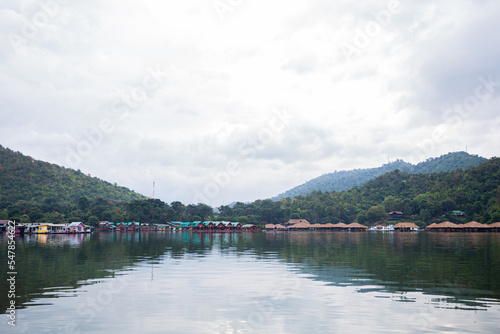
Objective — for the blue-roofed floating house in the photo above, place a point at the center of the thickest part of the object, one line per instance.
(211, 226)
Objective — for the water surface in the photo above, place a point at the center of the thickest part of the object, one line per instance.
(285, 282)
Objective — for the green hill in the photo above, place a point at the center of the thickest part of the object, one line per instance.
(343, 180)
(37, 191)
(423, 198)
(30, 182)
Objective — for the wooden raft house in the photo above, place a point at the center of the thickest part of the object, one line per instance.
(495, 227)
(304, 225)
(215, 226)
(406, 227)
(443, 227)
(472, 226)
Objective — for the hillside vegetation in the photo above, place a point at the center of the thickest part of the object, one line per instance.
(343, 180)
(423, 198)
(29, 183)
(35, 191)
(24, 178)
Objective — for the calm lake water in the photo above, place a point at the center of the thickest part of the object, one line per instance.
(264, 282)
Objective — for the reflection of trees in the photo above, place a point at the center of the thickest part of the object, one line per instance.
(465, 264)
(68, 260)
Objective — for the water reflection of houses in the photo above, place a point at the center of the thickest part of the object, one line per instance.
(53, 239)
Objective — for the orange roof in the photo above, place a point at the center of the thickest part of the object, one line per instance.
(298, 221)
(431, 226)
(300, 225)
(474, 224)
(341, 225)
(447, 225)
(356, 225)
(275, 226)
(494, 225)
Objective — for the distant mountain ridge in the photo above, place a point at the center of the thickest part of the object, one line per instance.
(39, 183)
(343, 180)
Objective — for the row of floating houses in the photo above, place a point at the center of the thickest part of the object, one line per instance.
(223, 226)
(469, 227)
(304, 225)
(183, 226)
(79, 227)
(214, 226)
(130, 227)
(105, 226)
(46, 228)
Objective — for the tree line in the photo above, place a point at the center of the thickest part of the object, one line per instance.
(33, 191)
(423, 198)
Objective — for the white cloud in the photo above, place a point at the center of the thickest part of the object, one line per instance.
(219, 81)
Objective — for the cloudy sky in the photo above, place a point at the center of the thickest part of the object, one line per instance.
(236, 100)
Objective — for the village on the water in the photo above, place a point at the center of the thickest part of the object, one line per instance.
(225, 226)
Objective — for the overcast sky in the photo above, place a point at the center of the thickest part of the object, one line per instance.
(238, 100)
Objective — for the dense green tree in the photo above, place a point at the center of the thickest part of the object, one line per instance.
(392, 203)
(93, 221)
(54, 217)
(201, 210)
(83, 203)
(13, 210)
(25, 219)
(35, 214)
(225, 210)
(376, 214)
(495, 218)
(179, 210)
(425, 214)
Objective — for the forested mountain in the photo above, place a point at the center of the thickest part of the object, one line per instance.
(343, 180)
(37, 191)
(423, 198)
(26, 182)
(24, 178)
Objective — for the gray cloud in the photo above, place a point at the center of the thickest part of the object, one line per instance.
(185, 93)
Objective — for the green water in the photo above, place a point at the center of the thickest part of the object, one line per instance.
(264, 282)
